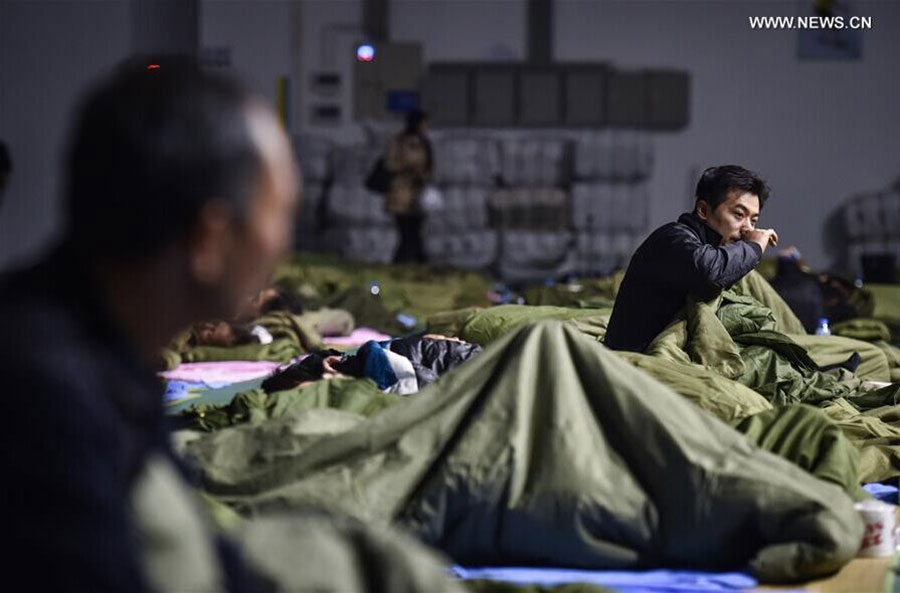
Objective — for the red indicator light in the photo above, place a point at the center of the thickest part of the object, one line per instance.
(152, 66)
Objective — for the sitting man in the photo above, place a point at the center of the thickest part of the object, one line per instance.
(702, 253)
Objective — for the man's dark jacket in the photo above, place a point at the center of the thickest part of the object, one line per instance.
(677, 259)
(83, 415)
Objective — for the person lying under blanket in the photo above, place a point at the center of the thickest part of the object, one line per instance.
(227, 335)
(403, 366)
(813, 296)
(278, 336)
(365, 383)
(271, 299)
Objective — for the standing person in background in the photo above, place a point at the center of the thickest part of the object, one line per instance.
(409, 162)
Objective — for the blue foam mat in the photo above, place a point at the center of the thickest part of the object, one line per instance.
(883, 492)
(649, 581)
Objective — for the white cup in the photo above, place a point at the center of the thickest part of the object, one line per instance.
(880, 537)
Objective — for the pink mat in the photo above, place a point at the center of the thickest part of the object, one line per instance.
(231, 371)
(357, 337)
(235, 371)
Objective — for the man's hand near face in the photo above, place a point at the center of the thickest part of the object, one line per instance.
(762, 237)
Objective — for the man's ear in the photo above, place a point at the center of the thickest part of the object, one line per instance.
(209, 242)
(702, 209)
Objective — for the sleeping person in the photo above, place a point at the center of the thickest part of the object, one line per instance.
(277, 336)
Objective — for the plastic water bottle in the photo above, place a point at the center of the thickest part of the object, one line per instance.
(823, 329)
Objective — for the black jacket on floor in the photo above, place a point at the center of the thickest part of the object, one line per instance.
(677, 259)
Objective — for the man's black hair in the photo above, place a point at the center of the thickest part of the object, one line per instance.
(285, 300)
(717, 182)
(152, 143)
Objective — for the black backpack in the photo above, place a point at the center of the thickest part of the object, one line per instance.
(379, 178)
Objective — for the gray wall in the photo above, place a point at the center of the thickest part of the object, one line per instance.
(164, 25)
(819, 131)
(258, 34)
(48, 53)
(468, 30)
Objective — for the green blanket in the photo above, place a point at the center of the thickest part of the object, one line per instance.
(885, 302)
(878, 334)
(585, 293)
(483, 326)
(754, 285)
(357, 396)
(880, 360)
(831, 350)
(547, 449)
(414, 290)
(735, 362)
(737, 337)
(737, 356)
(292, 335)
(289, 552)
(724, 398)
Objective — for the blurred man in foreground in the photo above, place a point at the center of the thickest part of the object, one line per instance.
(180, 195)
